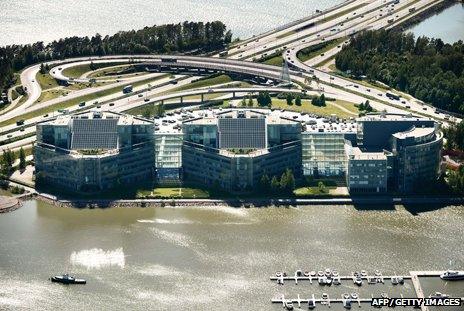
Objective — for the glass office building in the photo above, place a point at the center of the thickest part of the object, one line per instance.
(323, 154)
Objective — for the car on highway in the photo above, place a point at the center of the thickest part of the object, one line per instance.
(82, 104)
(111, 104)
(146, 100)
(20, 122)
(9, 136)
(140, 95)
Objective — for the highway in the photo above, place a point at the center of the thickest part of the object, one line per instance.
(338, 22)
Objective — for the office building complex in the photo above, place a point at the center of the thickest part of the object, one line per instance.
(234, 148)
(93, 151)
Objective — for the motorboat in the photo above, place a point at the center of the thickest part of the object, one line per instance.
(279, 274)
(363, 272)
(325, 296)
(438, 295)
(336, 280)
(322, 280)
(356, 273)
(67, 279)
(346, 296)
(394, 280)
(335, 273)
(328, 272)
(347, 303)
(377, 273)
(298, 273)
(306, 273)
(400, 280)
(354, 296)
(320, 273)
(451, 275)
(313, 273)
(328, 281)
(288, 304)
(358, 281)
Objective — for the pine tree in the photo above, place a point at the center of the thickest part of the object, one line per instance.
(22, 159)
(275, 184)
(322, 100)
(298, 100)
(289, 99)
(250, 101)
(265, 182)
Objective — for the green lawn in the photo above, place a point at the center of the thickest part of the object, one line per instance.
(77, 71)
(275, 61)
(312, 191)
(107, 72)
(328, 110)
(46, 81)
(174, 193)
(51, 94)
(315, 50)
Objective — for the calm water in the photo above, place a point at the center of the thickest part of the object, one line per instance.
(212, 258)
(447, 25)
(25, 21)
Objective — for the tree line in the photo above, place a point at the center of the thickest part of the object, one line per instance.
(428, 69)
(181, 37)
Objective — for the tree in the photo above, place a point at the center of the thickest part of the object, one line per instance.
(275, 184)
(321, 187)
(298, 100)
(322, 100)
(289, 99)
(146, 113)
(22, 159)
(283, 181)
(455, 136)
(290, 180)
(261, 99)
(243, 102)
(92, 66)
(456, 180)
(43, 69)
(250, 101)
(8, 159)
(267, 99)
(264, 182)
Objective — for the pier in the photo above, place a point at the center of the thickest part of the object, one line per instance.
(371, 279)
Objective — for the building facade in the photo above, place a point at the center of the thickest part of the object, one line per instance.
(94, 151)
(234, 148)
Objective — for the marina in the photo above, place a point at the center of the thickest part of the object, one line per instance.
(357, 278)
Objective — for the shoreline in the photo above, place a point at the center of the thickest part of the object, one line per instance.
(424, 201)
(435, 10)
(9, 204)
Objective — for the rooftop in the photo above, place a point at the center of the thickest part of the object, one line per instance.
(415, 132)
(172, 122)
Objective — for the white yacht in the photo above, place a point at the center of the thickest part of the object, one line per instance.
(451, 275)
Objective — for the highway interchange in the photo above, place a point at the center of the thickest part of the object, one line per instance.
(338, 22)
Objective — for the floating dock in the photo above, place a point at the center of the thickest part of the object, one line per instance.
(379, 278)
